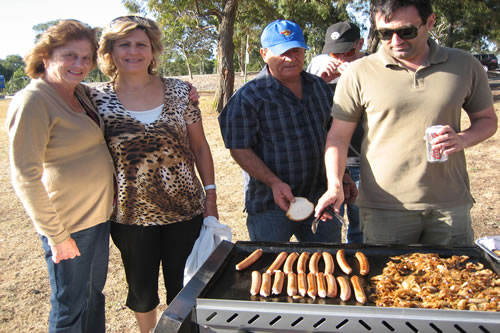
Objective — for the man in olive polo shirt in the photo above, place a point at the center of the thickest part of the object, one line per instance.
(411, 83)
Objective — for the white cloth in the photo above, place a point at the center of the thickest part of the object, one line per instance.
(318, 64)
(211, 235)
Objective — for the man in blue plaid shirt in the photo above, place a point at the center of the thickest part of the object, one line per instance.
(275, 127)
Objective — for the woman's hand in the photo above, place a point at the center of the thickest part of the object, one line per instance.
(67, 249)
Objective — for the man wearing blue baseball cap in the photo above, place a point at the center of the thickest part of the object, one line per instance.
(275, 127)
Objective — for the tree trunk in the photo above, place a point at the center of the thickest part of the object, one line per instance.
(187, 61)
(225, 54)
(451, 37)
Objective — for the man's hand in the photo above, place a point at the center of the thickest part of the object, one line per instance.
(331, 197)
(193, 93)
(350, 189)
(283, 195)
(448, 141)
(67, 249)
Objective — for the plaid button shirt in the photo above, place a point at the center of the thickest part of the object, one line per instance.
(286, 133)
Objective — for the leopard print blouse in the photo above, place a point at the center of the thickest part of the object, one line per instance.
(157, 183)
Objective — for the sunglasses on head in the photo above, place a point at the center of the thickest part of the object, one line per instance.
(344, 54)
(403, 33)
(142, 21)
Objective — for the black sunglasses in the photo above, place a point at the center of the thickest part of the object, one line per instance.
(142, 21)
(403, 33)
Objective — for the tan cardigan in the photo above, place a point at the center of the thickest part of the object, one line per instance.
(60, 165)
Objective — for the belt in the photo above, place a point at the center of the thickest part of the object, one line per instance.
(353, 161)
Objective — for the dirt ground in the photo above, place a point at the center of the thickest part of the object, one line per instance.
(24, 287)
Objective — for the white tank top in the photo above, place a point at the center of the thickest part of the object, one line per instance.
(147, 116)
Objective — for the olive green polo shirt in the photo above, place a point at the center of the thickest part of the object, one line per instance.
(396, 105)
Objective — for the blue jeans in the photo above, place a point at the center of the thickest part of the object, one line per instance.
(273, 225)
(354, 233)
(77, 299)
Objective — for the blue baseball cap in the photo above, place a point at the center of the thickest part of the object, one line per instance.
(282, 35)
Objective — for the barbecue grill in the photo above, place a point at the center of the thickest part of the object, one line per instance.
(217, 299)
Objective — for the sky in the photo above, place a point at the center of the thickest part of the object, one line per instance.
(17, 18)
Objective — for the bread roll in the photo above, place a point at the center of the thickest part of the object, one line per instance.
(300, 210)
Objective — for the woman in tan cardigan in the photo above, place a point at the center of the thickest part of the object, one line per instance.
(63, 173)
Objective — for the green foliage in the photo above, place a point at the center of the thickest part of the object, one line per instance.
(18, 81)
(10, 65)
(467, 24)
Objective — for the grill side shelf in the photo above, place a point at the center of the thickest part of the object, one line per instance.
(178, 312)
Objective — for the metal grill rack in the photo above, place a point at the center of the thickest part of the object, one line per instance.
(243, 316)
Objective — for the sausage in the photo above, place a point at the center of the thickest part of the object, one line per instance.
(359, 293)
(256, 282)
(329, 264)
(279, 280)
(301, 264)
(291, 287)
(345, 288)
(265, 287)
(313, 262)
(252, 257)
(312, 289)
(343, 264)
(277, 263)
(320, 281)
(290, 260)
(331, 285)
(302, 283)
(364, 266)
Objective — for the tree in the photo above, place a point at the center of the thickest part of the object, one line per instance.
(18, 81)
(41, 27)
(10, 65)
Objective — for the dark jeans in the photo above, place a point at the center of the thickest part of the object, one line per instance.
(273, 225)
(77, 299)
(354, 233)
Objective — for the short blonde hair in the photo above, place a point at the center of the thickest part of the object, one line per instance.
(56, 36)
(121, 27)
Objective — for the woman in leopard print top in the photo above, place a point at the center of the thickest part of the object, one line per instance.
(155, 135)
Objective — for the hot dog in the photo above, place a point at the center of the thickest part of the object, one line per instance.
(302, 283)
(256, 282)
(313, 262)
(343, 264)
(290, 260)
(291, 287)
(277, 263)
(329, 265)
(279, 279)
(265, 287)
(301, 264)
(320, 281)
(253, 257)
(364, 266)
(359, 293)
(345, 288)
(312, 289)
(331, 285)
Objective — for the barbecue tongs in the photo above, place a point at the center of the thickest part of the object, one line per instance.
(329, 210)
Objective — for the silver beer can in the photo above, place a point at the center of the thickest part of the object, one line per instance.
(434, 155)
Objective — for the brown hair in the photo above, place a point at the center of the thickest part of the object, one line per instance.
(119, 28)
(54, 37)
